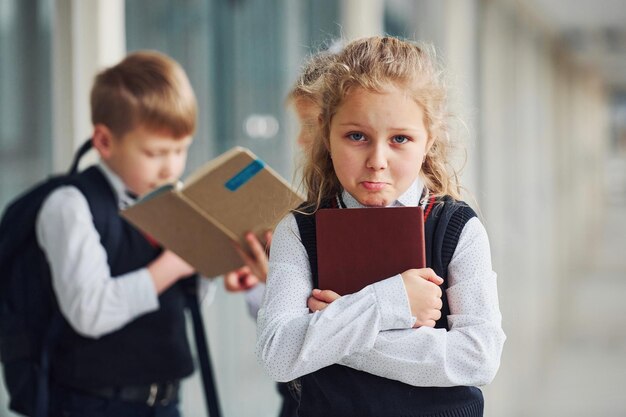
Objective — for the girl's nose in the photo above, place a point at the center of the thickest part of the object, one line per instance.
(377, 158)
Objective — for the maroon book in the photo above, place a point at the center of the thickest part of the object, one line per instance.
(357, 247)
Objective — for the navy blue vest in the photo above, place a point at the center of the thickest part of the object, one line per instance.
(153, 347)
(342, 391)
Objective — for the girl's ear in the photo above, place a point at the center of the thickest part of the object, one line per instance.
(429, 144)
(102, 140)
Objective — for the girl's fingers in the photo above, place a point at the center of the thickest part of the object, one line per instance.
(315, 305)
(430, 275)
(327, 296)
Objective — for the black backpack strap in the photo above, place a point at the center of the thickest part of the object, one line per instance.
(307, 229)
(56, 322)
(202, 347)
(84, 148)
(446, 220)
(305, 218)
(461, 214)
(99, 202)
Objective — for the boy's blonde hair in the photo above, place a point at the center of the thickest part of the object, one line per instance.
(374, 63)
(147, 89)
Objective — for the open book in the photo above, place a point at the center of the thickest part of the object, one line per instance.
(221, 201)
(357, 247)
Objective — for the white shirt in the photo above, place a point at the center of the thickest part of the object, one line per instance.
(254, 298)
(371, 330)
(90, 299)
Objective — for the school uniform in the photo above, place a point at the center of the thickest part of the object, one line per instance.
(124, 349)
(371, 332)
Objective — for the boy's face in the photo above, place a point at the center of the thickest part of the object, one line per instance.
(377, 144)
(145, 159)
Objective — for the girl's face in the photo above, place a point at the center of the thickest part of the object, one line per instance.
(377, 144)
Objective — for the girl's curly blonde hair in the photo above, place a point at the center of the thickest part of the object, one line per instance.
(373, 63)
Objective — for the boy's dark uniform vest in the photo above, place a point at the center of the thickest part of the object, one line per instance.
(153, 347)
(338, 390)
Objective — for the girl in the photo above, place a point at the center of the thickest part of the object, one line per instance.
(399, 347)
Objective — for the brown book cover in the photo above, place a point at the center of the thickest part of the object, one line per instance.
(218, 203)
(357, 247)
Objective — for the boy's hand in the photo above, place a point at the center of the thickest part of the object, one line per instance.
(167, 269)
(422, 288)
(241, 279)
(320, 299)
(259, 261)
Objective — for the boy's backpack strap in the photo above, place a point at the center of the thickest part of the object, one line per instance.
(91, 184)
(84, 148)
(202, 347)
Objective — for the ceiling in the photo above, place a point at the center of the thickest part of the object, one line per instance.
(594, 29)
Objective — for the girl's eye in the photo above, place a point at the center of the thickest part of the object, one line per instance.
(399, 139)
(356, 136)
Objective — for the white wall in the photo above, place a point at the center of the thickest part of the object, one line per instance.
(88, 36)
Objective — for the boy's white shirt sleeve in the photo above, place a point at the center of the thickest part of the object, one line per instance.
(90, 299)
(371, 330)
(207, 288)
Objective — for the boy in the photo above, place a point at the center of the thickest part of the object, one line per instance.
(123, 348)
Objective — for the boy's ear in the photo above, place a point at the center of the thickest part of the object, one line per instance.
(102, 140)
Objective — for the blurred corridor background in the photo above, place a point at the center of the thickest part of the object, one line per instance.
(539, 84)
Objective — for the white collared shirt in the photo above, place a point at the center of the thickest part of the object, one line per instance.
(371, 330)
(89, 298)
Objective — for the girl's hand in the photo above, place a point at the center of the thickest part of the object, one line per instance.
(422, 288)
(241, 279)
(320, 299)
(259, 261)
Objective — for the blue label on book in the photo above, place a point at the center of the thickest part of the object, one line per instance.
(244, 175)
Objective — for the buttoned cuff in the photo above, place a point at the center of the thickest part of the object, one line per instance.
(393, 304)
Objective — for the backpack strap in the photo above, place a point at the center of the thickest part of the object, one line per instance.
(202, 347)
(446, 220)
(460, 216)
(305, 218)
(84, 148)
(42, 399)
